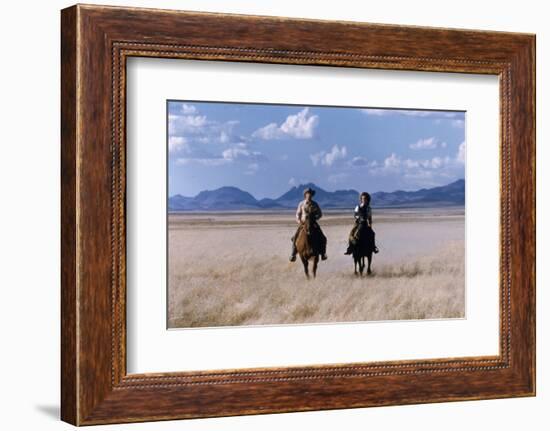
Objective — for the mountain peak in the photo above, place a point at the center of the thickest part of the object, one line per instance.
(229, 198)
(223, 189)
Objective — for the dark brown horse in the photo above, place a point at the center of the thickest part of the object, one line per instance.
(309, 244)
(363, 248)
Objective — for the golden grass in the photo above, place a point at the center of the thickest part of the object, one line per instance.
(241, 276)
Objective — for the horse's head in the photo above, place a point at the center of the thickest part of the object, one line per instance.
(309, 221)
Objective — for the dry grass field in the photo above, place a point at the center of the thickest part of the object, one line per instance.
(233, 269)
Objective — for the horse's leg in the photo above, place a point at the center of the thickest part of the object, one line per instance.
(361, 265)
(355, 261)
(315, 263)
(305, 263)
(369, 259)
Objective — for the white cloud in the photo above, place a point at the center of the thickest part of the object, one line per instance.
(395, 165)
(329, 158)
(224, 137)
(188, 109)
(299, 126)
(271, 131)
(376, 112)
(213, 161)
(438, 162)
(241, 153)
(392, 161)
(461, 154)
(316, 158)
(181, 124)
(411, 164)
(198, 129)
(458, 124)
(335, 154)
(237, 153)
(428, 144)
(292, 182)
(424, 144)
(176, 144)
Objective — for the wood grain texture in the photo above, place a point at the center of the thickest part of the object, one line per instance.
(96, 41)
(69, 366)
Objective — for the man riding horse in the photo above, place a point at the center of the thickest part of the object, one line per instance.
(308, 207)
(363, 220)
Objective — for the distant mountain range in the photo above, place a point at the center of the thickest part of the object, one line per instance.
(234, 199)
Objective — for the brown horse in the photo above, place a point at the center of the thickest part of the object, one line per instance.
(308, 244)
(363, 248)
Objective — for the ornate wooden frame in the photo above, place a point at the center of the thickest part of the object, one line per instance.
(95, 43)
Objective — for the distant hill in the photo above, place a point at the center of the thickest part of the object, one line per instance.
(233, 198)
(224, 198)
(449, 195)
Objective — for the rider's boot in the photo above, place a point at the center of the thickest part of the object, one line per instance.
(324, 253)
(292, 256)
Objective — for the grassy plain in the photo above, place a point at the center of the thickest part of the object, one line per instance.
(229, 269)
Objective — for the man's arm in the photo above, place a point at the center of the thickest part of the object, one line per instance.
(356, 212)
(319, 212)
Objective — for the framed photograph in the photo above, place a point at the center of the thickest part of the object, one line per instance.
(263, 214)
(307, 164)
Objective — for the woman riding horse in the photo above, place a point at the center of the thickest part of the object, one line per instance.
(361, 237)
(363, 220)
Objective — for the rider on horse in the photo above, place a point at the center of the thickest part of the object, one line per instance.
(363, 218)
(309, 207)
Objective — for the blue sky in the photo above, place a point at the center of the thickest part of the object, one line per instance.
(266, 149)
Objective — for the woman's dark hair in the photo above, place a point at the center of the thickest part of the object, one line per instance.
(367, 196)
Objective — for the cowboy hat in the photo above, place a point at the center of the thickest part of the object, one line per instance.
(309, 190)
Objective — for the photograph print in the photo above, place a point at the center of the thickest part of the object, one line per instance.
(301, 214)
